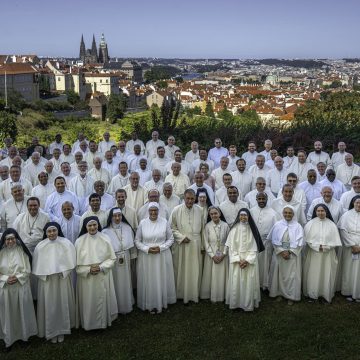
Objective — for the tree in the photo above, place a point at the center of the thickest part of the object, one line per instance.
(72, 97)
(225, 114)
(336, 84)
(8, 126)
(116, 107)
(162, 84)
(155, 116)
(209, 111)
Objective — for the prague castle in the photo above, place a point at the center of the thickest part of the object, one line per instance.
(92, 56)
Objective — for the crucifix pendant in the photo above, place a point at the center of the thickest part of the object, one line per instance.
(30, 233)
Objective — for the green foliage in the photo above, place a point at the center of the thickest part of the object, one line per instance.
(162, 84)
(209, 111)
(336, 84)
(225, 114)
(44, 84)
(116, 107)
(335, 118)
(72, 97)
(160, 72)
(15, 101)
(8, 126)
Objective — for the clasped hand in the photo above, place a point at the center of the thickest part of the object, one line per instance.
(154, 250)
(243, 264)
(94, 269)
(12, 280)
(285, 254)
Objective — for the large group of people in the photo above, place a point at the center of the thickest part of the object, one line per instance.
(85, 225)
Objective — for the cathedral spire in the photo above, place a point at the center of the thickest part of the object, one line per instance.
(82, 48)
(93, 47)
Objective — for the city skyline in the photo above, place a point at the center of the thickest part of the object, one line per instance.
(230, 29)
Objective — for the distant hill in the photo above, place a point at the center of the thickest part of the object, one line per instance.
(300, 63)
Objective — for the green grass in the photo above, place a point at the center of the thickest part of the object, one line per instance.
(212, 331)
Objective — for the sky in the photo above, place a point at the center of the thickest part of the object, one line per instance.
(184, 28)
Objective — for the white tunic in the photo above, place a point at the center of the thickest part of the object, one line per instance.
(345, 173)
(42, 192)
(118, 182)
(31, 229)
(6, 186)
(334, 207)
(187, 257)
(346, 198)
(301, 170)
(276, 179)
(17, 315)
(243, 290)
(71, 227)
(337, 186)
(101, 174)
(135, 198)
(264, 218)
(230, 210)
(285, 274)
(312, 191)
(55, 200)
(171, 202)
(256, 172)
(96, 299)
(314, 158)
(279, 203)
(122, 240)
(349, 225)
(151, 184)
(320, 266)
(250, 198)
(10, 210)
(250, 158)
(155, 274)
(52, 264)
(143, 212)
(338, 159)
(243, 181)
(180, 183)
(215, 276)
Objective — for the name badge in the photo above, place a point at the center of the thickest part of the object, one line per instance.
(285, 245)
(355, 256)
(121, 258)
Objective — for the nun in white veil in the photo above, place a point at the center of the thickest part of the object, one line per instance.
(287, 237)
(155, 272)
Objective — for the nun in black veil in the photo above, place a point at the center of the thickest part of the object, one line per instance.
(243, 244)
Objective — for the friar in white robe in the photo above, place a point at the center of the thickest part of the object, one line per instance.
(136, 194)
(17, 314)
(96, 306)
(231, 207)
(95, 211)
(54, 260)
(243, 243)
(320, 266)
(169, 199)
(288, 198)
(57, 198)
(122, 240)
(216, 266)
(349, 226)
(43, 189)
(69, 222)
(265, 218)
(242, 179)
(346, 171)
(179, 181)
(155, 273)
(287, 237)
(187, 226)
(98, 173)
(326, 198)
(12, 208)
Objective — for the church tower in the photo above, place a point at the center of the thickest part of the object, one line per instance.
(94, 50)
(103, 51)
(82, 49)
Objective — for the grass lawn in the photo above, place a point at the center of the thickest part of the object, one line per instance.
(212, 331)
